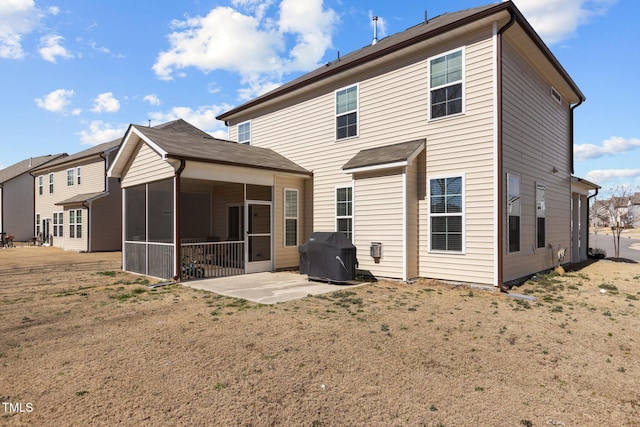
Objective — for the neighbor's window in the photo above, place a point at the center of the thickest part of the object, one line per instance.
(78, 175)
(347, 112)
(40, 184)
(244, 133)
(290, 217)
(50, 183)
(37, 225)
(445, 84)
(344, 211)
(446, 197)
(57, 224)
(75, 223)
(70, 177)
(513, 212)
(541, 214)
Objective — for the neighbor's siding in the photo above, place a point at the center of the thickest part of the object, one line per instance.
(536, 139)
(146, 166)
(106, 220)
(17, 214)
(393, 108)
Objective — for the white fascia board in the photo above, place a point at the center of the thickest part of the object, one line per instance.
(377, 167)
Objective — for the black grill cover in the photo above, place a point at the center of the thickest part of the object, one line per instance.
(329, 257)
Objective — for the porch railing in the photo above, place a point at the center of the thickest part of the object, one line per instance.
(211, 259)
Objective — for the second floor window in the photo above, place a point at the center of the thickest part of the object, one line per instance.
(40, 184)
(71, 179)
(445, 84)
(347, 112)
(50, 183)
(244, 133)
(78, 174)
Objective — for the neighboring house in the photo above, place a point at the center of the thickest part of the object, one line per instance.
(232, 208)
(76, 207)
(17, 197)
(633, 210)
(450, 144)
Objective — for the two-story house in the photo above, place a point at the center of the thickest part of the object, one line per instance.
(448, 146)
(17, 197)
(77, 207)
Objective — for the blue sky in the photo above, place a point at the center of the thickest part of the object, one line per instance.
(76, 73)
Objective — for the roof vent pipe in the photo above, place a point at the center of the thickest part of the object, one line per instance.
(426, 16)
(375, 30)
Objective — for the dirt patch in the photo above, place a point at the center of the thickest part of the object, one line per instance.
(84, 343)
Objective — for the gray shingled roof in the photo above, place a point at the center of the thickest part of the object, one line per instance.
(26, 165)
(416, 34)
(81, 198)
(190, 146)
(385, 155)
(93, 151)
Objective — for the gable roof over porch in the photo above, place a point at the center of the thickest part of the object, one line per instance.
(189, 146)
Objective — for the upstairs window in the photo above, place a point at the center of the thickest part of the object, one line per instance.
(244, 133)
(347, 112)
(78, 175)
(445, 84)
(50, 183)
(70, 177)
(40, 184)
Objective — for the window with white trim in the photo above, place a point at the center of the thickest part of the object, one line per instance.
(514, 210)
(244, 133)
(71, 179)
(344, 211)
(40, 185)
(541, 215)
(78, 174)
(38, 229)
(290, 217)
(75, 223)
(58, 223)
(50, 183)
(446, 214)
(347, 112)
(445, 84)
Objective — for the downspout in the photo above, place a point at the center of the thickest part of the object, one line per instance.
(88, 226)
(183, 163)
(501, 222)
(106, 168)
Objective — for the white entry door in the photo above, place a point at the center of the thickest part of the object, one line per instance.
(258, 242)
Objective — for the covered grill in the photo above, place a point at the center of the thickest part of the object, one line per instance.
(328, 257)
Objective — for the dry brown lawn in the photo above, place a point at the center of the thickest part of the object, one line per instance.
(82, 343)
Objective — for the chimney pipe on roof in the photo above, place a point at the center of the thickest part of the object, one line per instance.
(426, 16)
(375, 30)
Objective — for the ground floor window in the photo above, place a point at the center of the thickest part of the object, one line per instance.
(75, 223)
(290, 217)
(446, 197)
(58, 223)
(513, 212)
(38, 226)
(344, 211)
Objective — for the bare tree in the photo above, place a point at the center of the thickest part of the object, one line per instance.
(617, 211)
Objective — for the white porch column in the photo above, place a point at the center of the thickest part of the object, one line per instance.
(584, 226)
(575, 227)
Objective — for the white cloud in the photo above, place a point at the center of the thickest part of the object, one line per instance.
(54, 10)
(557, 20)
(204, 117)
(100, 132)
(612, 146)
(17, 18)
(259, 48)
(56, 101)
(50, 48)
(152, 99)
(105, 103)
(612, 177)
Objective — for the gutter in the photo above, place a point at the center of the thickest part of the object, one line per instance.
(500, 203)
(176, 214)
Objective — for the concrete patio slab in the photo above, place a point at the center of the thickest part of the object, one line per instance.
(267, 288)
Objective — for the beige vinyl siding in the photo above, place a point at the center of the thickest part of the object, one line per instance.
(415, 186)
(393, 108)
(536, 139)
(286, 256)
(378, 217)
(146, 166)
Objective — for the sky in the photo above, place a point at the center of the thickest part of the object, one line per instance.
(76, 73)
